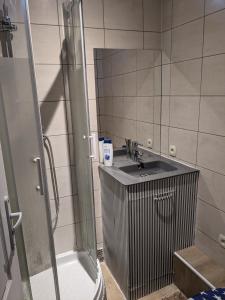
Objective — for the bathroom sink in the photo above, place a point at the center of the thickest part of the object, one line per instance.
(148, 168)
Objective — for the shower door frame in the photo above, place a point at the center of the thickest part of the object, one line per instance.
(41, 147)
(87, 226)
(8, 158)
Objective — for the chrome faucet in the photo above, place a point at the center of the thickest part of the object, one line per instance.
(136, 154)
(132, 150)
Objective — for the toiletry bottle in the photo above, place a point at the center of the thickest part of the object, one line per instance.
(108, 152)
(100, 146)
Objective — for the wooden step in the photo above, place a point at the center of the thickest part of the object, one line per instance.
(195, 271)
(170, 292)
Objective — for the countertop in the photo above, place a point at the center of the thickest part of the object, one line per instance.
(121, 160)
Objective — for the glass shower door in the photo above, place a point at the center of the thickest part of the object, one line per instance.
(83, 141)
(20, 134)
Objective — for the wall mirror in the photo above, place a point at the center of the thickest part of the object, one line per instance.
(129, 96)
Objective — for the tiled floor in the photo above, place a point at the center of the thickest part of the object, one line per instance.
(113, 292)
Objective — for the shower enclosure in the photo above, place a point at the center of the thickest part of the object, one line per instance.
(74, 274)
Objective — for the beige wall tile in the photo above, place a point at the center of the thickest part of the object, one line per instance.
(145, 82)
(145, 59)
(210, 247)
(124, 61)
(186, 78)
(53, 116)
(117, 85)
(64, 238)
(66, 216)
(96, 176)
(205, 213)
(184, 112)
(152, 15)
(46, 44)
(130, 87)
(91, 82)
(94, 38)
(185, 142)
(152, 40)
(43, 12)
(185, 11)
(130, 108)
(211, 188)
(60, 146)
(212, 112)
(213, 5)
(93, 13)
(128, 128)
(166, 79)
(211, 152)
(116, 18)
(93, 115)
(156, 138)
(109, 106)
(157, 81)
(145, 131)
(49, 80)
(187, 41)
(165, 117)
(166, 46)
(213, 75)
(145, 109)
(119, 39)
(157, 109)
(214, 40)
(64, 182)
(118, 106)
(164, 139)
(166, 14)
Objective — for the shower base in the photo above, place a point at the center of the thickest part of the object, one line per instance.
(74, 281)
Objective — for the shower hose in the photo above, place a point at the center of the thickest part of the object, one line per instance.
(48, 148)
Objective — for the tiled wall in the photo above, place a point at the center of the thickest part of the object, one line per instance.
(129, 95)
(127, 24)
(193, 104)
(47, 37)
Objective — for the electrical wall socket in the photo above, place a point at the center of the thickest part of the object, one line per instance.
(149, 143)
(172, 150)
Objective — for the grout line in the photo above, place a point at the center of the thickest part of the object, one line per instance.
(201, 83)
(194, 58)
(211, 205)
(209, 237)
(193, 20)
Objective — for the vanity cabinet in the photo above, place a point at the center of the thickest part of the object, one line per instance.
(143, 224)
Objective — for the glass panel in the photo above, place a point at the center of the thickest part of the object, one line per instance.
(80, 116)
(21, 139)
(129, 100)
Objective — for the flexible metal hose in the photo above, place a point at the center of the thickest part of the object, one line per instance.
(48, 148)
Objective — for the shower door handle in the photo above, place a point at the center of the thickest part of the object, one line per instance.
(9, 217)
(92, 139)
(39, 187)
